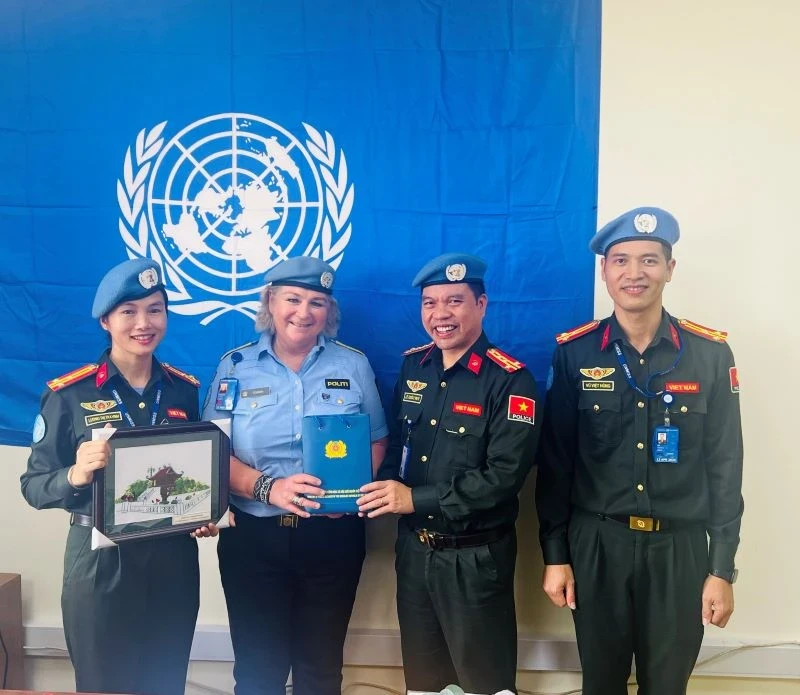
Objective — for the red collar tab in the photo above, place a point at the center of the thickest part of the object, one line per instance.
(676, 339)
(604, 341)
(102, 375)
(474, 363)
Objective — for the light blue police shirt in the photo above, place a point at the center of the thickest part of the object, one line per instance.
(267, 418)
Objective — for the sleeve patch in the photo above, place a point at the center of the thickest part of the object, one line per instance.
(39, 429)
(733, 372)
(521, 409)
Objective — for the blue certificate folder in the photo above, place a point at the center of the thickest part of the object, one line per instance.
(337, 449)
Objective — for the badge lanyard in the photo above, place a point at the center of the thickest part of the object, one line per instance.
(646, 392)
(406, 454)
(124, 410)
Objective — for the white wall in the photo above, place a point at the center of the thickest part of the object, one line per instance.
(699, 115)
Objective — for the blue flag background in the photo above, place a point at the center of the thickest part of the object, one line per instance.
(219, 137)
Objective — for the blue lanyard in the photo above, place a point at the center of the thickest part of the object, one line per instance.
(646, 392)
(124, 410)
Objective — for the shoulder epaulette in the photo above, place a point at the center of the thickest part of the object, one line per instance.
(703, 332)
(72, 377)
(193, 380)
(419, 348)
(346, 346)
(583, 329)
(505, 361)
(240, 347)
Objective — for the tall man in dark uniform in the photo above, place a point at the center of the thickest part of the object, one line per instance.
(463, 433)
(641, 460)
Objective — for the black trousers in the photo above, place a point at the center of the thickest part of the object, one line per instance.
(458, 621)
(290, 593)
(130, 612)
(638, 595)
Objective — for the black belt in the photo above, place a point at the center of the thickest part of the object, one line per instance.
(76, 519)
(438, 541)
(646, 523)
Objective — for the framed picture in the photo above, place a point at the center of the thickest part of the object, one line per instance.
(160, 481)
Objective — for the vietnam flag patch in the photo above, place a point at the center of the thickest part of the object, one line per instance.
(734, 374)
(177, 413)
(521, 409)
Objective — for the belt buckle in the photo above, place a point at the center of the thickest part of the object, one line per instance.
(643, 523)
(287, 521)
(427, 538)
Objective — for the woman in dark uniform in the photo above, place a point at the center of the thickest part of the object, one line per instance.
(129, 611)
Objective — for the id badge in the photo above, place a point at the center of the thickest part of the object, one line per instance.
(226, 394)
(406, 453)
(404, 460)
(665, 444)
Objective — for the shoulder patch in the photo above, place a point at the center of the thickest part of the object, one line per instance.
(240, 347)
(573, 333)
(346, 346)
(505, 361)
(419, 348)
(702, 331)
(72, 377)
(193, 380)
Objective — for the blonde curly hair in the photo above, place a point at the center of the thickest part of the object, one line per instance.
(265, 323)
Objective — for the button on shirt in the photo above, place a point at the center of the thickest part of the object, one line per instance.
(469, 453)
(596, 451)
(267, 419)
(71, 413)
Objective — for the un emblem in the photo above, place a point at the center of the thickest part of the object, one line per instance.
(226, 199)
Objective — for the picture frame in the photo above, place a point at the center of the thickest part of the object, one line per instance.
(160, 481)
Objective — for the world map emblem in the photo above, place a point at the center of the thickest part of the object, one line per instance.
(225, 199)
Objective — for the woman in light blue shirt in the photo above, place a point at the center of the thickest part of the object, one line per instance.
(289, 577)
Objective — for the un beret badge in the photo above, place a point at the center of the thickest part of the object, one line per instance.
(326, 280)
(456, 272)
(645, 223)
(148, 278)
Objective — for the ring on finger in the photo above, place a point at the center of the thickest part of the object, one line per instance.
(296, 500)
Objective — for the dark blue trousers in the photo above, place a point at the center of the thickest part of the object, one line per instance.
(290, 592)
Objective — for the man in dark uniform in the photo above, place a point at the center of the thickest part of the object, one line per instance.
(641, 460)
(463, 434)
(129, 611)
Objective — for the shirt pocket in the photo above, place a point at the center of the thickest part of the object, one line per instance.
(335, 402)
(687, 412)
(600, 422)
(464, 441)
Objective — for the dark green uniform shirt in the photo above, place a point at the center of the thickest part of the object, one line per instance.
(69, 413)
(471, 431)
(597, 441)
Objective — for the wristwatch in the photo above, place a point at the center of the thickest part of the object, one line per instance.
(262, 488)
(728, 575)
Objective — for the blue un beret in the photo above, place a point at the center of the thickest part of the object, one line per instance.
(650, 224)
(126, 282)
(450, 268)
(303, 271)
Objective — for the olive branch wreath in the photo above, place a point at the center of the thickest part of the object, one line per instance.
(135, 232)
